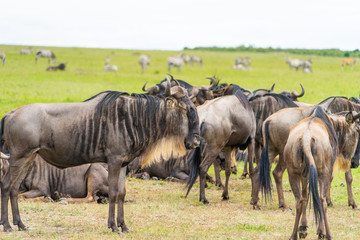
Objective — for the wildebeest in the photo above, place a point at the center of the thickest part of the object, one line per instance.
(242, 67)
(297, 63)
(243, 61)
(230, 89)
(111, 127)
(61, 67)
(175, 62)
(294, 95)
(82, 183)
(276, 129)
(349, 62)
(313, 146)
(144, 61)
(26, 51)
(225, 123)
(2, 57)
(110, 68)
(45, 54)
(195, 59)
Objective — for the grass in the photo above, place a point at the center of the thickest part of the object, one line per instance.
(159, 210)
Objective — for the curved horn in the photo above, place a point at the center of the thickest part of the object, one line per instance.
(356, 116)
(173, 79)
(248, 91)
(168, 86)
(3, 156)
(272, 88)
(301, 94)
(143, 88)
(213, 81)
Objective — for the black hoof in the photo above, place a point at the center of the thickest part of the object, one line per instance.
(302, 234)
(23, 228)
(225, 198)
(8, 229)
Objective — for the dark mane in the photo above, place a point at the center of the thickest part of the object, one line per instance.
(331, 97)
(331, 125)
(242, 98)
(281, 99)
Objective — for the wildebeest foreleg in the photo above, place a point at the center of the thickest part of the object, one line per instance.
(225, 194)
(114, 165)
(349, 178)
(31, 194)
(121, 200)
(278, 176)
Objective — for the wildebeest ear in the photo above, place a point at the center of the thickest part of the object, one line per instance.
(349, 118)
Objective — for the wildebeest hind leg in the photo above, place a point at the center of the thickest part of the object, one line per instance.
(225, 194)
(121, 199)
(18, 170)
(278, 176)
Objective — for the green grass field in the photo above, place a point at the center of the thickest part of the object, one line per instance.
(159, 210)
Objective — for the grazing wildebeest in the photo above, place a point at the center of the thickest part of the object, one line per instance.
(45, 54)
(2, 57)
(26, 51)
(314, 145)
(144, 61)
(243, 61)
(194, 59)
(111, 127)
(225, 123)
(198, 95)
(82, 183)
(61, 67)
(175, 62)
(349, 62)
(297, 63)
(110, 68)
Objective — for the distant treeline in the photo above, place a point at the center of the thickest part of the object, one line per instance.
(321, 52)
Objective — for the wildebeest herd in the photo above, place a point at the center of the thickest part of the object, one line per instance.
(182, 130)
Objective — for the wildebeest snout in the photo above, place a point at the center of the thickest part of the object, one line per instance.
(194, 142)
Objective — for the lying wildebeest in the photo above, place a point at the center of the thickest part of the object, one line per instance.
(225, 123)
(144, 61)
(175, 62)
(198, 95)
(313, 146)
(60, 67)
(307, 70)
(2, 57)
(349, 62)
(176, 169)
(111, 127)
(110, 68)
(194, 59)
(45, 54)
(26, 51)
(242, 67)
(276, 129)
(83, 183)
(243, 61)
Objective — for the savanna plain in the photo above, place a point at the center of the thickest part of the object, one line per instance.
(158, 209)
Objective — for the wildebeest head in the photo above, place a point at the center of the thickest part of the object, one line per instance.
(178, 99)
(352, 118)
(294, 95)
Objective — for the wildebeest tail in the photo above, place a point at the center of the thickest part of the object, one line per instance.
(264, 168)
(194, 161)
(2, 123)
(307, 156)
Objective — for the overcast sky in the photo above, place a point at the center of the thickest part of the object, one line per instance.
(173, 25)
